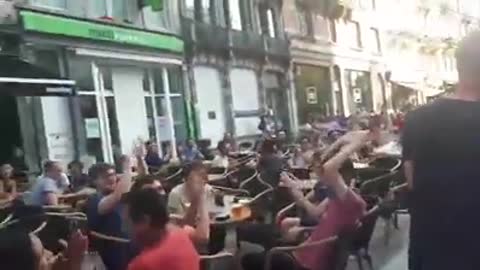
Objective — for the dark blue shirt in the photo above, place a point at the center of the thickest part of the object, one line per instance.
(114, 255)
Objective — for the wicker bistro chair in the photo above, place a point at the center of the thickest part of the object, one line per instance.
(174, 178)
(291, 249)
(221, 260)
(387, 163)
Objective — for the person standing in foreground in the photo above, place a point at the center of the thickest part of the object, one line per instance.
(163, 245)
(441, 153)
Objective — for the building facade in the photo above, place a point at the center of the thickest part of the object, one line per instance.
(127, 61)
(238, 62)
(365, 55)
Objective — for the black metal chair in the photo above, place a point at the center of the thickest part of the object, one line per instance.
(363, 235)
(387, 163)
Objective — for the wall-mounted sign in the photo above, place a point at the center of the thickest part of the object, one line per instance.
(75, 28)
(92, 128)
(357, 95)
(311, 94)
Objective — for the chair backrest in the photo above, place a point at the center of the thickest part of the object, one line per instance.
(254, 186)
(378, 186)
(364, 233)
(300, 173)
(387, 163)
(217, 170)
(220, 261)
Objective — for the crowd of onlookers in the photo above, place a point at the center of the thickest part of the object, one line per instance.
(168, 228)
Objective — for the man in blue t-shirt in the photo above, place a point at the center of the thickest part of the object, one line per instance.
(49, 187)
(104, 214)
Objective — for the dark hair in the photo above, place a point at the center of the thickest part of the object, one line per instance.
(48, 165)
(146, 203)
(143, 180)
(75, 163)
(268, 147)
(99, 170)
(193, 166)
(16, 250)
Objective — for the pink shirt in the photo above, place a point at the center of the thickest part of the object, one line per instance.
(174, 252)
(340, 215)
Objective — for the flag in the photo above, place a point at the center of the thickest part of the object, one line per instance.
(157, 5)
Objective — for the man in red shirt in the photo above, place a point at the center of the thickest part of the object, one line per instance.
(163, 245)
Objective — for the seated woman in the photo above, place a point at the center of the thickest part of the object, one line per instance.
(7, 183)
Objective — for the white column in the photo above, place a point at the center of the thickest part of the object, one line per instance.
(292, 101)
(168, 102)
(102, 115)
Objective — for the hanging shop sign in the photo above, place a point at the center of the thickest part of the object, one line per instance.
(76, 28)
(357, 95)
(311, 93)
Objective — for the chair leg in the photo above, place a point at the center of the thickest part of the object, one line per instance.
(388, 231)
(395, 221)
(368, 258)
(359, 261)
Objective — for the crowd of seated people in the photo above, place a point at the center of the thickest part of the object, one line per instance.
(169, 231)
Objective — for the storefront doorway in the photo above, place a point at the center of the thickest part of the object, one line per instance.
(122, 103)
(314, 92)
(11, 139)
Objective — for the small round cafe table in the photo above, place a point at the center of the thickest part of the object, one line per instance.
(229, 217)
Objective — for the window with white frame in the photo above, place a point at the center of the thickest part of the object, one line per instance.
(354, 34)
(155, 102)
(375, 45)
(271, 23)
(235, 14)
(52, 4)
(304, 21)
(116, 9)
(99, 128)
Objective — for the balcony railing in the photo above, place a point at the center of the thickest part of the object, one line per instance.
(248, 42)
(204, 35)
(213, 37)
(277, 47)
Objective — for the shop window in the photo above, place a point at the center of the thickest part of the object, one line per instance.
(175, 79)
(81, 71)
(146, 81)
(53, 4)
(158, 81)
(107, 78)
(359, 90)
(48, 59)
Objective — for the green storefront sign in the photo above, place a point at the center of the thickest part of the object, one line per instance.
(69, 27)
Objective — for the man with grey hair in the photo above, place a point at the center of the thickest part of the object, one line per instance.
(441, 151)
